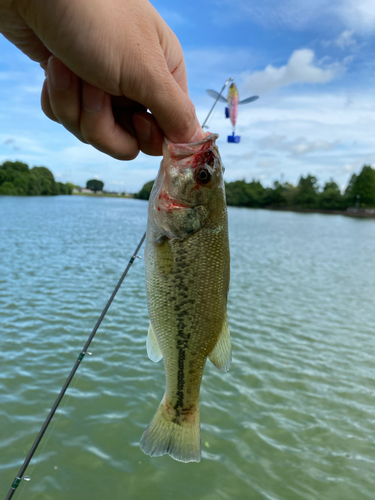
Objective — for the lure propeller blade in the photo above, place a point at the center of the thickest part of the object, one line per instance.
(249, 99)
(216, 95)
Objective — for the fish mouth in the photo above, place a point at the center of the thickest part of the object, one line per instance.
(180, 151)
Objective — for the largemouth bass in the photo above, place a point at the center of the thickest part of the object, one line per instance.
(187, 281)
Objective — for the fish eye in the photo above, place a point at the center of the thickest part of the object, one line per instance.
(204, 176)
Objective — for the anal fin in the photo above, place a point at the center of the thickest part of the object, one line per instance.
(153, 349)
(221, 354)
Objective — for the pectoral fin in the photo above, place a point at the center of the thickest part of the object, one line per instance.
(153, 349)
(221, 354)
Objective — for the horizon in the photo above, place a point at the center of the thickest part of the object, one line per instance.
(311, 67)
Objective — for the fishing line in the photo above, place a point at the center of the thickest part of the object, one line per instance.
(46, 439)
(51, 431)
(217, 98)
(82, 354)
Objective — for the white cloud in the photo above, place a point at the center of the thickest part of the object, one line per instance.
(313, 133)
(300, 68)
(357, 14)
(24, 143)
(297, 147)
(266, 164)
(345, 40)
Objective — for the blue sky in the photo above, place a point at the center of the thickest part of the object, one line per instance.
(312, 64)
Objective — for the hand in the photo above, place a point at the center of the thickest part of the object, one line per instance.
(107, 62)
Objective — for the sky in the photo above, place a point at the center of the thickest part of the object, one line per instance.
(311, 63)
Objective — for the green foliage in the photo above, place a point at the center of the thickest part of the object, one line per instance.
(289, 192)
(7, 188)
(144, 193)
(43, 181)
(276, 196)
(14, 178)
(245, 194)
(17, 179)
(70, 187)
(361, 188)
(95, 185)
(331, 198)
(306, 195)
(64, 188)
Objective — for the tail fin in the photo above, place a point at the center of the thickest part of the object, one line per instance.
(179, 437)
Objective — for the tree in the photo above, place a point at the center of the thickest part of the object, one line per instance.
(245, 194)
(95, 185)
(43, 182)
(144, 193)
(275, 197)
(306, 195)
(17, 179)
(236, 193)
(331, 198)
(289, 192)
(15, 173)
(361, 188)
(7, 188)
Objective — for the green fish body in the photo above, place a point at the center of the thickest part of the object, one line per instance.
(187, 281)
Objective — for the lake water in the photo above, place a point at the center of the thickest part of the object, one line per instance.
(294, 418)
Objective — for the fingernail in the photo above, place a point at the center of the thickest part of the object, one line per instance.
(60, 76)
(92, 99)
(198, 136)
(142, 127)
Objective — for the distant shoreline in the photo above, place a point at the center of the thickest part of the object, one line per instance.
(105, 195)
(368, 213)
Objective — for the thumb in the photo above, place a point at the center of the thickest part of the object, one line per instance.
(175, 113)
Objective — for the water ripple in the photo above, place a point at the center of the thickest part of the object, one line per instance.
(292, 420)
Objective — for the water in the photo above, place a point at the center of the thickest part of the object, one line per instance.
(294, 419)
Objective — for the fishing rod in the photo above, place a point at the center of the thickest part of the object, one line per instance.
(82, 354)
(30, 455)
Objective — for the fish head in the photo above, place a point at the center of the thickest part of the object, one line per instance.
(189, 183)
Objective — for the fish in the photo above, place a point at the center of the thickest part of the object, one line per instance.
(187, 281)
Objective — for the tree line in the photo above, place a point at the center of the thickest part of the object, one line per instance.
(360, 192)
(16, 178)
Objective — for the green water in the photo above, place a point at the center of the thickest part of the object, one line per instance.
(294, 418)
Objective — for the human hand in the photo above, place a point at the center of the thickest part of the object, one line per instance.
(107, 62)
